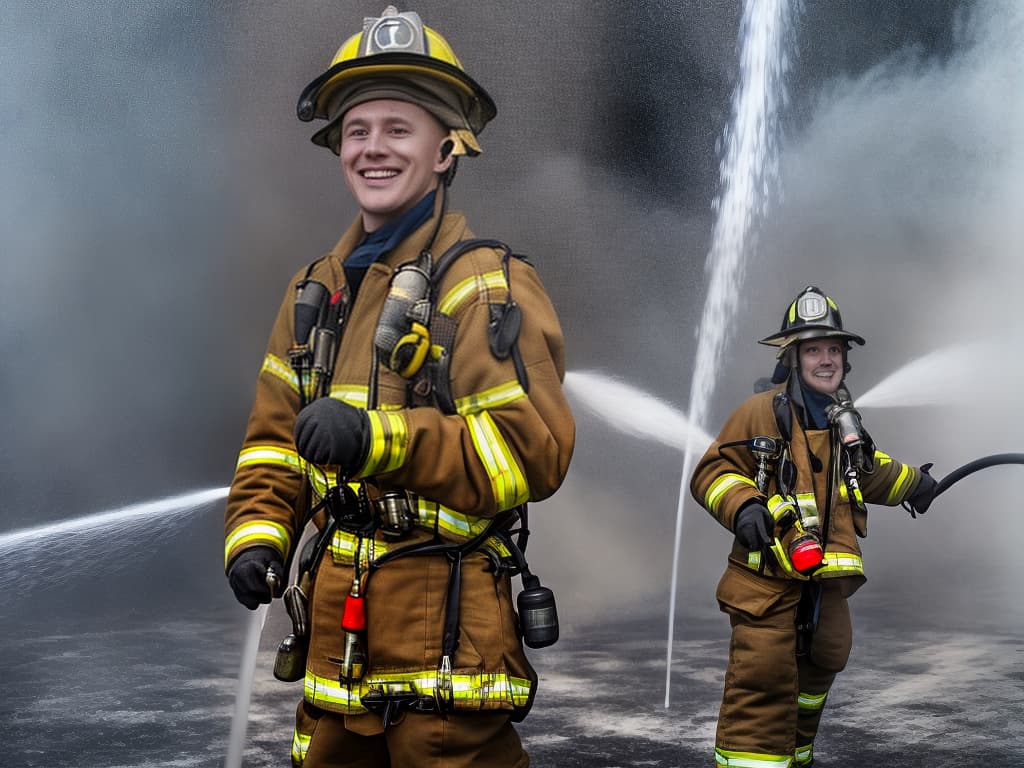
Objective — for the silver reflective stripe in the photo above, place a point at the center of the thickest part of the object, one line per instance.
(730, 759)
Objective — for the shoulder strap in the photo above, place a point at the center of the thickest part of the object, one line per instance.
(503, 326)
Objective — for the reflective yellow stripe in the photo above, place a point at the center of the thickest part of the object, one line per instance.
(721, 486)
(845, 496)
(507, 480)
(353, 394)
(430, 513)
(804, 755)
(269, 454)
(491, 691)
(812, 701)
(808, 504)
(389, 441)
(275, 366)
(899, 486)
(881, 459)
(300, 746)
(835, 564)
(257, 532)
(840, 564)
(503, 394)
(780, 506)
(343, 547)
(730, 759)
(471, 286)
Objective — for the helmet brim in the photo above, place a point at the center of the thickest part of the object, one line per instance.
(785, 338)
(315, 96)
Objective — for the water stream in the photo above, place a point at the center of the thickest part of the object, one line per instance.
(246, 674)
(942, 377)
(633, 411)
(748, 169)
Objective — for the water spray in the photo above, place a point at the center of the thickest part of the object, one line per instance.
(748, 167)
(246, 673)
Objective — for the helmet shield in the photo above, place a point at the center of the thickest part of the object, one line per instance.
(414, 63)
(812, 315)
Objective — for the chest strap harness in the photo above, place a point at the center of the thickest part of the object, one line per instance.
(414, 340)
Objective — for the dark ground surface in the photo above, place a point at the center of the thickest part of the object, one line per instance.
(162, 693)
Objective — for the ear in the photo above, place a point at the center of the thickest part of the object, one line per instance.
(445, 157)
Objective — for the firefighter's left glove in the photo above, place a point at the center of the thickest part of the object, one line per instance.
(922, 497)
(247, 575)
(329, 431)
(754, 526)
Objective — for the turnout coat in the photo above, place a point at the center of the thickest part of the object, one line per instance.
(724, 481)
(508, 442)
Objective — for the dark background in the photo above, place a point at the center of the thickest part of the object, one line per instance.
(157, 192)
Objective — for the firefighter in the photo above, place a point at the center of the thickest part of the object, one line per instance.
(409, 405)
(789, 476)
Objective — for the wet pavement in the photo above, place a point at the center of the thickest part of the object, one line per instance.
(162, 693)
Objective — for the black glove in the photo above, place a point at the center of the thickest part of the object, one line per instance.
(329, 431)
(248, 575)
(922, 497)
(754, 526)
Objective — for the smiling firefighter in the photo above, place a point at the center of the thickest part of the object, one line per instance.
(789, 476)
(408, 407)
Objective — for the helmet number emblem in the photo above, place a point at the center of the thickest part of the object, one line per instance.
(811, 306)
(394, 34)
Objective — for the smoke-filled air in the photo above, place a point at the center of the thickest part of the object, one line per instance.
(158, 192)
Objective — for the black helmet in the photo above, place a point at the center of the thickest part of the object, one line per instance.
(812, 315)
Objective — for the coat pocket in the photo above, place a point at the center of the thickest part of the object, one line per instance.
(741, 591)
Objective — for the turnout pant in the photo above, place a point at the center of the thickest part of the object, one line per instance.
(329, 740)
(773, 699)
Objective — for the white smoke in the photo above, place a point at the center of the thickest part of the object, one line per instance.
(903, 201)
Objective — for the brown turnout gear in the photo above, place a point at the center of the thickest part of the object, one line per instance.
(501, 448)
(773, 698)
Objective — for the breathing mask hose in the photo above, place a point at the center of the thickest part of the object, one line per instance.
(978, 464)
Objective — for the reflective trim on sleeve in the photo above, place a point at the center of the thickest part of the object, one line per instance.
(811, 701)
(507, 480)
(471, 286)
(723, 485)
(495, 397)
(275, 366)
(497, 690)
(262, 532)
(272, 455)
(730, 759)
(899, 486)
(881, 459)
(389, 442)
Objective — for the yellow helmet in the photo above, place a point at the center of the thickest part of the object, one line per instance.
(398, 47)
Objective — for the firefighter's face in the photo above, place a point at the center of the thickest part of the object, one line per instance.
(391, 156)
(821, 364)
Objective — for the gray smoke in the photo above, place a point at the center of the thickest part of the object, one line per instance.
(159, 192)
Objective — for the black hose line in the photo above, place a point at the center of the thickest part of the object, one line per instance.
(973, 466)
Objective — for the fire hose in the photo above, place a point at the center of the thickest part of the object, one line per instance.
(971, 467)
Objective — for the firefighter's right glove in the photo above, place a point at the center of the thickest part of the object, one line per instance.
(754, 526)
(329, 431)
(248, 575)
